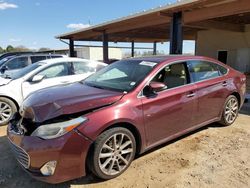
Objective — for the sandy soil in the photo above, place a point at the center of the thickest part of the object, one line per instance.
(211, 157)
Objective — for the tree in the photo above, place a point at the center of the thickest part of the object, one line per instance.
(43, 49)
(1, 50)
(21, 48)
(10, 48)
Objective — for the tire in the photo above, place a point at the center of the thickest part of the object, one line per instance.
(114, 161)
(230, 111)
(7, 110)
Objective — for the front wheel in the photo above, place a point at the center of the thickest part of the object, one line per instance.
(230, 111)
(113, 152)
(7, 110)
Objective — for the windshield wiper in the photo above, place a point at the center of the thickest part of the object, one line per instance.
(95, 86)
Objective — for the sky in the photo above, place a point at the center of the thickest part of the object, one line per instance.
(35, 23)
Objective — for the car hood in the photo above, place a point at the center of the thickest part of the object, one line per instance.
(69, 99)
(4, 81)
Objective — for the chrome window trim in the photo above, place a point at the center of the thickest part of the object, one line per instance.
(140, 94)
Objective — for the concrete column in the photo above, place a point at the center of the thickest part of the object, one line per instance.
(71, 48)
(105, 48)
(176, 34)
(132, 48)
(155, 48)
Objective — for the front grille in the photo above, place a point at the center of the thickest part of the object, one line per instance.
(21, 155)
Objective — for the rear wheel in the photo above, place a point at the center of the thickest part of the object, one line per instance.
(112, 153)
(230, 111)
(7, 110)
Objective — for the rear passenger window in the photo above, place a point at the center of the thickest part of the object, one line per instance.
(35, 59)
(222, 70)
(202, 70)
(82, 68)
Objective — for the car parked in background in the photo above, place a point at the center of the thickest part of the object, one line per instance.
(4, 55)
(47, 73)
(125, 109)
(12, 64)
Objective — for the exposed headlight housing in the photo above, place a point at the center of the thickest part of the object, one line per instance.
(56, 130)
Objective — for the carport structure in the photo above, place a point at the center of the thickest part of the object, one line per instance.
(184, 20)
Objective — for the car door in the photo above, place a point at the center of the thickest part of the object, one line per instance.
(53, 75)
(171, 110)
(211, 89)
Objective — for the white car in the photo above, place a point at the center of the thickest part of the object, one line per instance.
(47, 73)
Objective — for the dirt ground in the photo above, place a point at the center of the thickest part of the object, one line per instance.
(210, 157)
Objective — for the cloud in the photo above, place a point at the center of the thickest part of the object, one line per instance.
(78, 26)
(5, 5)
(37, 3)
(15, 40)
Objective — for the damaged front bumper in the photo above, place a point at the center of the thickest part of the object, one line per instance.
(68, 152)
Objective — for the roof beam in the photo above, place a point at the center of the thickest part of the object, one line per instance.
(141, 24)
(210, 24)
(236, 7)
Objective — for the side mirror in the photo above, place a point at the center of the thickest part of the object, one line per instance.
(157, 86)
(37, 78)
(3, 69)
(152, 89)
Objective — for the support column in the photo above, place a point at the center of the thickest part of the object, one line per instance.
(105, 48)
(176, 34)
(133, 49)
(155, 48)
(71, 48)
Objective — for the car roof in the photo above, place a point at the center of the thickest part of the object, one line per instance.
(162, 58)
(37, 54)
(66, 59)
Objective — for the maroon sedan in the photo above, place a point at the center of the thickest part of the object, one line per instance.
(100, 124)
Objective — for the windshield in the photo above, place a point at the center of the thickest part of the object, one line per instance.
(121, 76)
(25, 71)
(2, 61)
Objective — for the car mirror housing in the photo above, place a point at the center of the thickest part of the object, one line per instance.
(37, 78)
(152, 89)
(3, 69)
(157, 86)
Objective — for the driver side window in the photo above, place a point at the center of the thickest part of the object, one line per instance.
(55, 71)
(172, 76)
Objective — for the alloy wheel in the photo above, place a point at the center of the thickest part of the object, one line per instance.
(5, 112)
(231, 110)
(116, 154)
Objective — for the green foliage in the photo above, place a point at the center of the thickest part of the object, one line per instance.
(10, 48)
(1, 50)
(43, 49)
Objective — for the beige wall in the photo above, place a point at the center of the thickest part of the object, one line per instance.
(237, 44)
(96, 53)
(83, 52)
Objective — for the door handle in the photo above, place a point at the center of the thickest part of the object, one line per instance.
(224, 84)
(191, 95)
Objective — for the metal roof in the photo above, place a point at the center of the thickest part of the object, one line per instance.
(153, 25)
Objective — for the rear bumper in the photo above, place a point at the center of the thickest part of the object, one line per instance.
(69, 151)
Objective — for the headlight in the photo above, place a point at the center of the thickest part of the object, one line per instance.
(55, 130)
